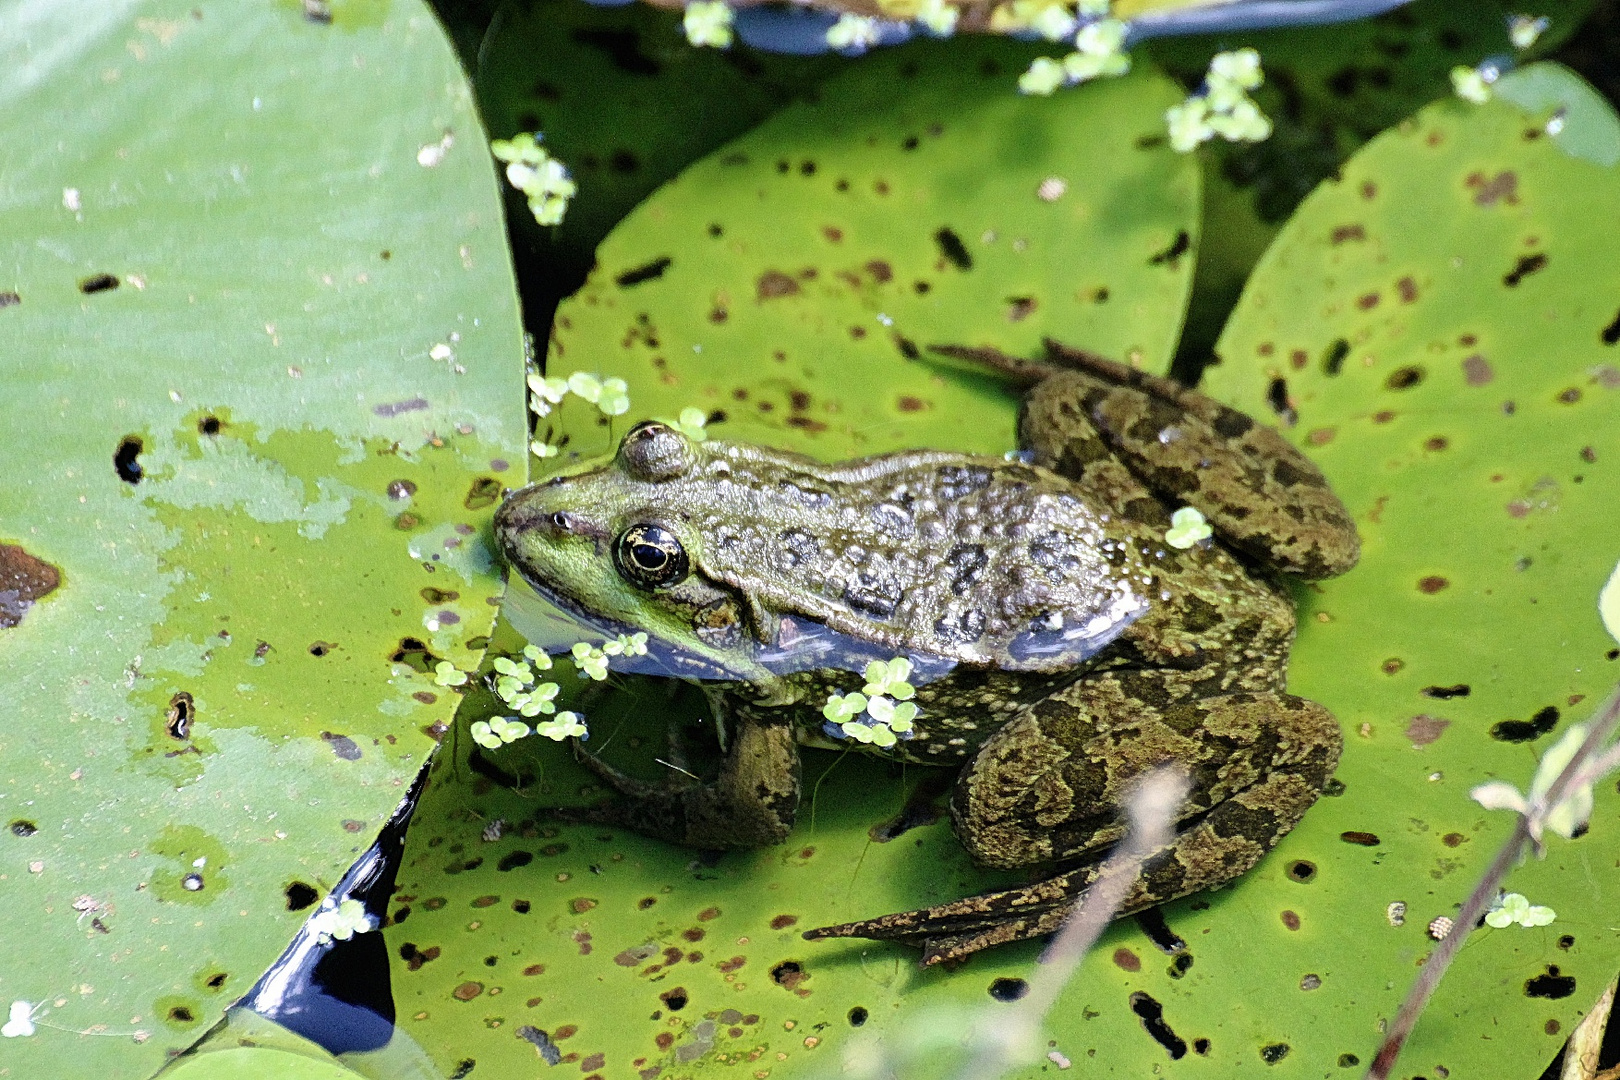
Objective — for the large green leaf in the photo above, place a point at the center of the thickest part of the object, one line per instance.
(261, 377)
(1442, 322)
(791, 280)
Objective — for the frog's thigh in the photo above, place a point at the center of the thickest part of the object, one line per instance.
(1259, 493)
(1046, 787)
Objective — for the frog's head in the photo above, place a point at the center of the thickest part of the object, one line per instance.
(613, 541)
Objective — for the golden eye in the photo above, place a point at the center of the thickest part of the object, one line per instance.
(649, 556)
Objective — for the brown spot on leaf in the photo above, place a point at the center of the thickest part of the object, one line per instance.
(881, 272)
(1407, 289)
(1367, 301)
(1432, 584)
(1321, 436)
(1363, 839)
(1126, 960)
(1290, 919)
(23, 580)
(782, 922)
(1453, 839)
(1423, 729)
(1341, 233)
(1020, 308)
(834, 235)
(774, 283)
(1503, 187)
(907, 403)
(1477, 370)
(467, 991)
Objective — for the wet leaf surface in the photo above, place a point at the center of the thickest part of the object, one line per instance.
(243, 476)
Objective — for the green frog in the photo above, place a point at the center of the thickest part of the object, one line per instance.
(1061, 644)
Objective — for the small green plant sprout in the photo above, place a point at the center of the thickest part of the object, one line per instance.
(545, 392)
(889, 678)
(537, 174)
(693, 423)
(1099, 52)
(1223, 107)
(881, 715)
(1188, 527)
(563, 726)
(937, 17)
(590, 661)
(626, 645)
(1474, 83)
(513, 684)
(340, 922)
(853, 32)
(1572, 812)
(1513, 908)
(1525, 30)
(497, 731)
(447, 674)
(708, 22)
(611, 396)
(537, 656)
(21, 1022)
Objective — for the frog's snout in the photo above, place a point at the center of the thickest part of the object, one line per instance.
(521, 515)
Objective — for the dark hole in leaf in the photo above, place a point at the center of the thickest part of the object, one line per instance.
(514, 859)
(716, 231)
(907, 347)
(675, 1000)
(1277, 398)
(181, 1015)
(485, 491)
(951, 246)
(1551, 984)
(1365, 839)
(129, 470)
(193, 882)
(1158, 931)
(622, 47)
(788, 973)
(910, 143)
(491, 961)
(522, 907)
(1404, 378)
(1610, 334)
(1302, 871)
(98, 283)
(414, 654)
(1274, 1053)
(23, 580)
(1446, 692)
(321, 648)
(401, 489)
(22, 827)
(343, 746)
(1566, 942)
(1348, 1061)
(209, 425)
(439, 596)
(1172, 254)
(182, 709)
(1151, 1013)
(215, 981)
(1333, 359)
(857, 1016)
(1201, 1046)
(1527, 265)
(1516, 731)
(1612, 654)
(1333, 788)
(1005, 989)
(920, 287)
(300, 896)
(647, 272)
(1180, 965)
(11, 299)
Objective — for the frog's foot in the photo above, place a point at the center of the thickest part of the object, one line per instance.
(749, 804)
(1043, 790)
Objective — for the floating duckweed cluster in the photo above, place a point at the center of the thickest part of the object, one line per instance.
(537, 174)
(708, 22)
(1099, 52)
(1474, 83)
(611, 396)
(340, 922)
(1187, 528)
(882, 714)
(1512, 907)
(517, 683)
(1223, 107)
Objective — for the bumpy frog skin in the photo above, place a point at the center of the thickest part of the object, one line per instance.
(1071, 647)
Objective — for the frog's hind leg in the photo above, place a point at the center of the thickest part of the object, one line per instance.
(1256, 489)
(1047, 786)
(750, 803)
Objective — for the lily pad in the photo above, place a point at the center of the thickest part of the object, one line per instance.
(263, 378)
(1437, 327)
(918, 201)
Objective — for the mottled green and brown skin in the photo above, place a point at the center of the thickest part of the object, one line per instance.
(1018, 572)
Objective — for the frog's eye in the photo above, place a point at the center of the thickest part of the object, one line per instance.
(649, 556)
(655, 452)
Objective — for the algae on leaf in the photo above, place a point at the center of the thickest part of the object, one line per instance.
(262, 364)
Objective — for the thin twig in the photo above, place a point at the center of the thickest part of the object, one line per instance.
(1585, 1044)
(1151, 809)
(1578, 772)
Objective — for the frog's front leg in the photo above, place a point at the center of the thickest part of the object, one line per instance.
(1046, 789)
(749, 804)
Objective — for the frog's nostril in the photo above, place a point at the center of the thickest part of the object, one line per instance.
(560, 520)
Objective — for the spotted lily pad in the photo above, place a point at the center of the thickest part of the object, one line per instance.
(262, 389)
